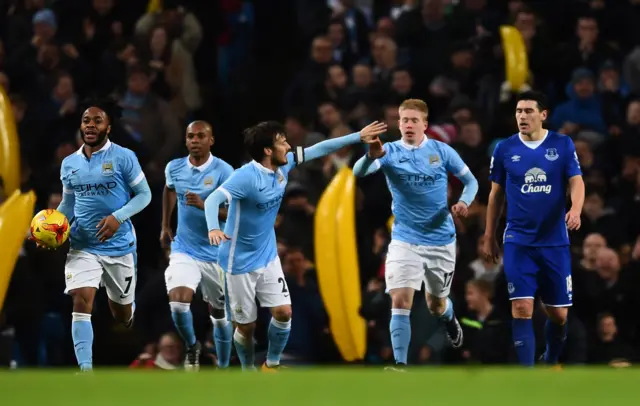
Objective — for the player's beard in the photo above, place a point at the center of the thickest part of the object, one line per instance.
(276, 161)
(99, 139)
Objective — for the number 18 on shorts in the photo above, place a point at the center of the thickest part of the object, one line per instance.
(545, 270)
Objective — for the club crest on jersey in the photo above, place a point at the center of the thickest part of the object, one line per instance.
(551, 154)
(280, 177)
(434, 160)
(107, 168)
(208, 182)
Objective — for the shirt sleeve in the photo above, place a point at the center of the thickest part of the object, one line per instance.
(67, 187)
(131, 170)
(167, 176)
(496, 168)
(238, 185)
(67, 204)
(299, 155)
(226, 171)
(572, 164)
(454, 163)
(384, 161)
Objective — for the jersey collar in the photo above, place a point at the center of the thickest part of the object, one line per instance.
(533, 144)
(412, 147)
(105, 147)
(202, 167)
(261, 167)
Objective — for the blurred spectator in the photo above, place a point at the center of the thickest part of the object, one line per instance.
(179, 23)
(167, 356)
(592, 244)
(587, 49)
(583, 110)
(482, 269)
(307, 87)
(487, 332)
(173, 76)
(610, 349)
(308, 341)
(150, 121)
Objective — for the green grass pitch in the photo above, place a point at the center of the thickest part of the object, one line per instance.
(311, 387)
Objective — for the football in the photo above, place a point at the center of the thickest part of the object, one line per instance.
(50, 228)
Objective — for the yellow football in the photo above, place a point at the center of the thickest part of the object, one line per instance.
(50, 228)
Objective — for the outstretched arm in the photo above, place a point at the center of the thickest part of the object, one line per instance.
(329, 146)
(140, 200)
(321, 149)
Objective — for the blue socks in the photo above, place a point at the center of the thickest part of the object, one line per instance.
(245, 349)
(222, 336)
(400, 328)
(448, 311)
(82, 333)
(524, 341)
(278, 336)
(183, 320)
(555, 336)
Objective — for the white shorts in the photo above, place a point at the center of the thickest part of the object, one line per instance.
(184, 271)
(409, 266)
(267, 285)
(117, 274)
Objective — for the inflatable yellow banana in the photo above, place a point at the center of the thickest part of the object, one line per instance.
(326, 256)
(349, 269)
(9, 146)
(515, 56)
(15, 217)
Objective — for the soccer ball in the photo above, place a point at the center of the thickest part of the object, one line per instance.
(50, 228)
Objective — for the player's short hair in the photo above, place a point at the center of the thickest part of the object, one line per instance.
(261, 136)
(202, 123)
(539, 98)
(107, 104)
(415, 104)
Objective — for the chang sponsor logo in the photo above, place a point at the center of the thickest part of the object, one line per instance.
(535, 182)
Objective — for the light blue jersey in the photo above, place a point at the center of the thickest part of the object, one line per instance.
(417, 179)
(97, 187)
(254, 193)
(182, 176)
